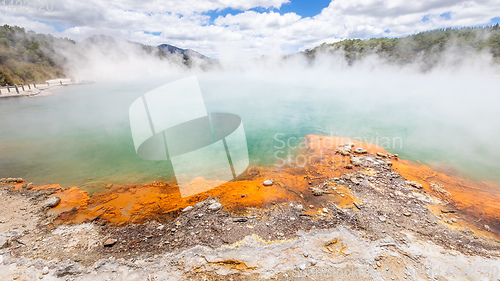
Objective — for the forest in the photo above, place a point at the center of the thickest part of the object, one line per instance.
(427, 47)
(27, 57)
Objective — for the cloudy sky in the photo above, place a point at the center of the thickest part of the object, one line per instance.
(245, 28)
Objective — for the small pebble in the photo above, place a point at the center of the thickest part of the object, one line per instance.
(215, 206)
(45, 270)
(110, 242)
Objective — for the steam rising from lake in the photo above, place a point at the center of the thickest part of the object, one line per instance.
(446, 117)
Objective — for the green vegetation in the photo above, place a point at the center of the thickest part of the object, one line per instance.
(426, 47)
(27, 57)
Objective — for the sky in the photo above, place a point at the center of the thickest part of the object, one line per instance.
(244, 28)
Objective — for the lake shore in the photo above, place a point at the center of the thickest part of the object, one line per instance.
(353, 206)
(37, 90)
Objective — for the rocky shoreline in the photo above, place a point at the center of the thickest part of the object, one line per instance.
(389, 232)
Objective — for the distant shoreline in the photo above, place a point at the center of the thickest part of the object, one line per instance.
(35, 90)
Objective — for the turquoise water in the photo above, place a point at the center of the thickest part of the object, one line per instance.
(80, 135)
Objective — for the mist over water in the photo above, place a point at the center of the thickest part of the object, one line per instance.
(80, 136)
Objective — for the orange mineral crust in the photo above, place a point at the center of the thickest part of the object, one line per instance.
(293, 180)
(479, 202)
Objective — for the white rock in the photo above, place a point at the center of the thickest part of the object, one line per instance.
(215, 206)
(188, 208)
(52, 202)
(4, 241)
(299, 208)
(199, 204)
(267, 182)
(45, 270)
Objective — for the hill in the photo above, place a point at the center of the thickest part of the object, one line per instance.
(28, 56)
(426, 47)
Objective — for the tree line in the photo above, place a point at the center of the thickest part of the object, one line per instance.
(427, 46)
(27, 57)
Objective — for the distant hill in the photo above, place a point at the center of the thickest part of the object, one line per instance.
(426, 47)
(187, 54)
(176, 50)
(27, 57)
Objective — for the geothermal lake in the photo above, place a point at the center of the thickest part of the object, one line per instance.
(80, 135)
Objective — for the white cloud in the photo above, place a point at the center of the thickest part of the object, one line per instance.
(184, 23)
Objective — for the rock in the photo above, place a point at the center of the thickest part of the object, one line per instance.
(355, 161)
(396, 156)
(349, 166)
(487, 227)
(243, 219)
(360, 150)
(4, 241)
(11, 180)
(453, 219)
(68, 268)
(25, 185)
(389, 163)
(380, 154)
(45, 270)
(268, 182)
(316, 191)
(382, 218)
(110, 242)
(299, 208)
(302, 267)
(357, 205)
(325, 210)
(199, 204)
(215, 206)
(407, 214)
(447, 211)
(378, 264)
(344, 151)
(52, 202)
(187, 209)
(416, 184)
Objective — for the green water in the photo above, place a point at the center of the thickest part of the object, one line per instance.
(80, 135)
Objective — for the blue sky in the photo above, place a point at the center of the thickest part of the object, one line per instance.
(302, 8)
(250, 28)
